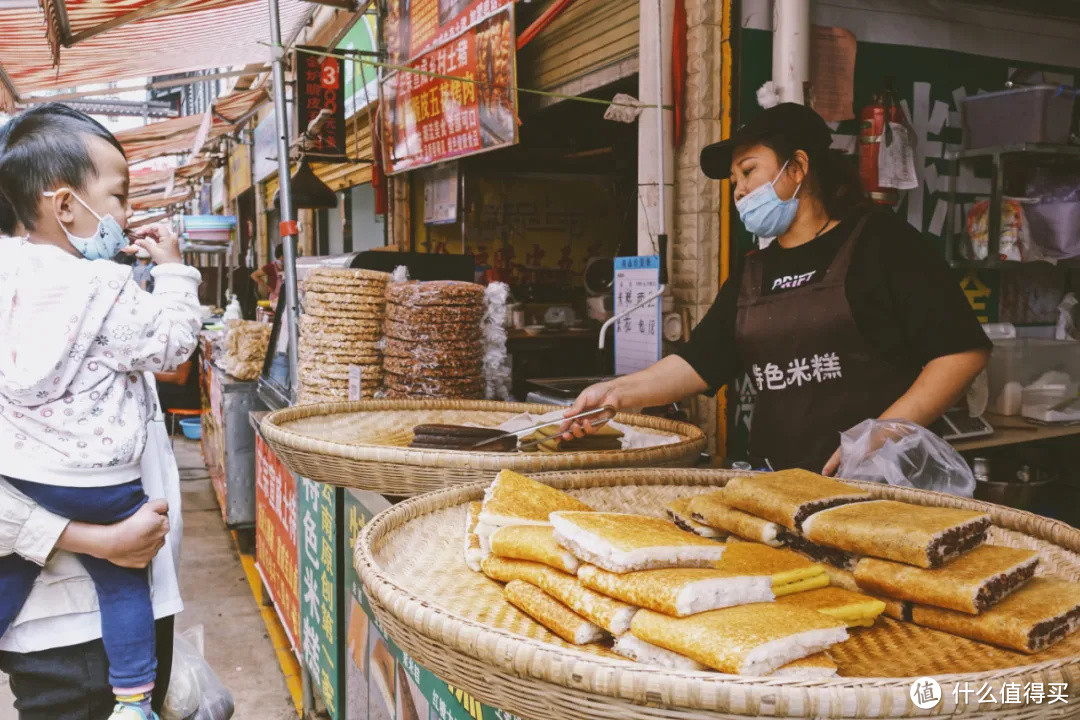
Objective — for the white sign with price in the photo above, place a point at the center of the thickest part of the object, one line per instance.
(637, 335)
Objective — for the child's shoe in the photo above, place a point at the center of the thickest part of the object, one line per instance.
(124, 711)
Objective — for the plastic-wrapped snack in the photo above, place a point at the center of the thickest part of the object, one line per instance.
(497, 373)
(437, 292)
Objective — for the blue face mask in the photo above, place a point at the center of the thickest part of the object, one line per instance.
(103, 244)
(764, 213)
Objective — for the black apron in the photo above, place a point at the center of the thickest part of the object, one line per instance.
(814, 373)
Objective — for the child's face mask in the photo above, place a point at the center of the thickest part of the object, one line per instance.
(103, 244)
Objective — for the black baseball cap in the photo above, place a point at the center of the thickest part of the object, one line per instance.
(800, 125)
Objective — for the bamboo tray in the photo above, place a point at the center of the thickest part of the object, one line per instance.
(364, 444)
(456, 623)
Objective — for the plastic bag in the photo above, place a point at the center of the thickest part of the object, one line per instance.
(195, 692)
(903, 453)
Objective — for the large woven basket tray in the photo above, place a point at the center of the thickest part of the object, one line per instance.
(456, 623)
(363, 444)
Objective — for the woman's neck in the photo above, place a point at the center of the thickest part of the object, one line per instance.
(810, 221)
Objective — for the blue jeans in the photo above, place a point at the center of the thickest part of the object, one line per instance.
(127, 616)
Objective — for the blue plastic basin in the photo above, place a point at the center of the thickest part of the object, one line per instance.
(192, 428)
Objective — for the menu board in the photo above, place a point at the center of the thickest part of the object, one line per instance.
(415, 26)
(275, 536)
(637, 334)
(461, 100)
(320, 86)
(319, 520)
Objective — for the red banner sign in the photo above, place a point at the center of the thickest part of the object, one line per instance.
(461, 100)
(320, 86)
(414, 27)
(276, 553)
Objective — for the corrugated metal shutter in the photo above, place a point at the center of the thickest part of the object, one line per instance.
(589, 36)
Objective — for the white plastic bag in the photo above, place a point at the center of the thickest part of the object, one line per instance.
(195, 692)
(898, 452)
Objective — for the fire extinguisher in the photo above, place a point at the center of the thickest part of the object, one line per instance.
(873, 125)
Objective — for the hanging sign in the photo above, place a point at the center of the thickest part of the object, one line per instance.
(413, 27)
(637, 334)
(320, 88)
(432, 119)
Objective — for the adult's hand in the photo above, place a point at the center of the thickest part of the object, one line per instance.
(130, 543)
(591, 398)
(833, 465)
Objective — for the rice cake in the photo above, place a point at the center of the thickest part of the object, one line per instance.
(535, 543)
(711, 509)
(621, 542)
(679, 591)
(896, 609)
(818, 553)
(325, 274)
(678, 511)
(610, 614)
(783, 566)
(640, 651)
(812, 667)
(551, 613)
(854, 608)
(1033, 618)
(914, 534)
(513, 499)
(788, 497)
(971, 583)
(743, 640)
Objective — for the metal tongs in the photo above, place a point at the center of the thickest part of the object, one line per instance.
(603, 416)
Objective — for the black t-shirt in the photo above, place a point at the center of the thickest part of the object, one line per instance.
(905, 300)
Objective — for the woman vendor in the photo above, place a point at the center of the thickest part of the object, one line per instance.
(848, 314)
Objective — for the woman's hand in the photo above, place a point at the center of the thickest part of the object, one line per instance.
(130, 543)
(833, 465)
(591, 398)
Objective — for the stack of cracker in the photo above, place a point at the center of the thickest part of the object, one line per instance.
(433, 344)
(340, 329)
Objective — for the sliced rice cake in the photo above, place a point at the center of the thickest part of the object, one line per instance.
(622, 542)
(788, 497)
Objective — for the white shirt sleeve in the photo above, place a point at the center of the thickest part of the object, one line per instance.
(26, 528)
(153, 332)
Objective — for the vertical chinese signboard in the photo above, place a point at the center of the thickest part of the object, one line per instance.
(275, 536)
(460, 98)
(637, 334)
(320, 518)
(320, 85)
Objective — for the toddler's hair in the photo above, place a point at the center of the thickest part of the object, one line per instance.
(39, 149)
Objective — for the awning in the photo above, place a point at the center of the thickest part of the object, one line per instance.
(177, 135)
(157, 200)
(145, 180)
(178, 37)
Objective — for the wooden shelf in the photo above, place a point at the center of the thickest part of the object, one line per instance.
(1013, 430)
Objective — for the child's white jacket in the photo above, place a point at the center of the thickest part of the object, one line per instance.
(76, 337)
